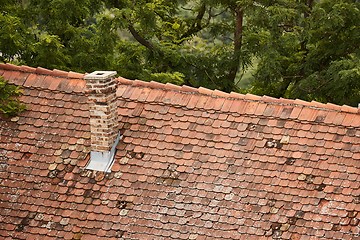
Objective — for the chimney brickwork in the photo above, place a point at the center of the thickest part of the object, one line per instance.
(101, 87)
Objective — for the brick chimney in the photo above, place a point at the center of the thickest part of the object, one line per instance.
(105, 135)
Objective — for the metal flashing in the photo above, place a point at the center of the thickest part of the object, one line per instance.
(103, 161)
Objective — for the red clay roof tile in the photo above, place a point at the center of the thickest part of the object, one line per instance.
(220, 93)
(153, 84)
(171, 86)
(59, 73)
(9, 66)
(189, 165)
(188, 89)
(75, 75)
(252, 97)
(205, 91)
(8, 75)
(43, 71)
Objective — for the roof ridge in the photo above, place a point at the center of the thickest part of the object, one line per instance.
(42, 71)
(185, 88)
(234, 95)
(42, 78)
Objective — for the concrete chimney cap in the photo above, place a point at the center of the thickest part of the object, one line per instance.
(100, 75)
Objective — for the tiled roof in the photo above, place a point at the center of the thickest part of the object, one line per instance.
(192, 164)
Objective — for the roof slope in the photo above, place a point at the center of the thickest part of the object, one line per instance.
(193, 164)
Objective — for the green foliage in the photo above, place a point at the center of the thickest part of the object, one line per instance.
(49, 51)
(175, 78)
(63, 34)
(314, 55)
(295, 49)
(9, 104)
(13, 35)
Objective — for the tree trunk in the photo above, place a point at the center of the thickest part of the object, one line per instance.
(140, 39)
(309, 4)
(303, 43)
(238, 33)
(196, 26)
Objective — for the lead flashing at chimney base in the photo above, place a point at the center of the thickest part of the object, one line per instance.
(104, 131)
(103, 161)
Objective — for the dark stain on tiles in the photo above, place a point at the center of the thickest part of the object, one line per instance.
(292, 220)
(272, 143)
(77, 236)
(53, 173)
(251, 127)
(336, 227)
(309, 178)
(25, 222)
(121, 204)
(299, 214)
(351, 132)
(320, 187)
(354, 221)
(120, 234)
(171, 172)
(290, 161)
(320, 119)
(275, 230)
(26, 156)
(136, 155)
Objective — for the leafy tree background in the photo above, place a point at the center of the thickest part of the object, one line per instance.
(307, 49)
(9, 104)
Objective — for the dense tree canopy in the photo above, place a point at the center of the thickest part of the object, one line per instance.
(308, 49)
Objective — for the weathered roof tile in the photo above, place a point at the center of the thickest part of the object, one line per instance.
(192, 164)
(43, 71)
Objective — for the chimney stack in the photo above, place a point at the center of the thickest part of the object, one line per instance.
(105, 136)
